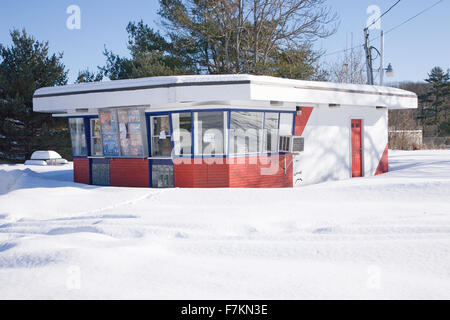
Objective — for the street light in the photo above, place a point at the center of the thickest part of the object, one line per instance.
(389, 71)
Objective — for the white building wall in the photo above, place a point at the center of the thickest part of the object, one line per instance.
(327, 154)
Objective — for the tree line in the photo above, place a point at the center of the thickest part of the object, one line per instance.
(433, 114)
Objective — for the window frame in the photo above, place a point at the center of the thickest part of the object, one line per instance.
(150, 133)
(86, 140)
(191, 117)
(260, 134)
(91, 138)
(143, 133)
(227, 118)
(226, 133)
(264, 151)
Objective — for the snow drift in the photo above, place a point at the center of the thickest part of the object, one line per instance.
(377, 237)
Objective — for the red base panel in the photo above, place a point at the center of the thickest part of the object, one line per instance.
(81, 170)
(129, 173)
(240, 172)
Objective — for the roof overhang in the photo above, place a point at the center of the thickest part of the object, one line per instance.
(167, 92)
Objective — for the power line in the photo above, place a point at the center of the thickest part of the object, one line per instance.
(390, 30)
(339, 51)
(413, 17)
(420, 13)
(384, 13)
(381, 16)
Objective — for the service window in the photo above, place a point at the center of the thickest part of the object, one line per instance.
(271, 132)
(246, 132)
(78, 137)
(96, 139)
(210, 133)
(161, 136)
(182, 134)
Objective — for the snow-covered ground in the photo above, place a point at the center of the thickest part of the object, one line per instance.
(377, 237)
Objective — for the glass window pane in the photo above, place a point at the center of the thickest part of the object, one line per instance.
(210, 129)
(96, 139)
(110, 133)
(271, 132)
(246, 132)
(286, 124)
(161, 143)
(182, 133)
(131, 122)
(78, 136)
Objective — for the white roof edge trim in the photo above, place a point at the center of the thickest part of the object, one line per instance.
(211, 80)
(165, 91)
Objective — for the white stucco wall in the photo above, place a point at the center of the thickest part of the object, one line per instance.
(327, 154)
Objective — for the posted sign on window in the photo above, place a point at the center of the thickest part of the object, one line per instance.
(123, 132)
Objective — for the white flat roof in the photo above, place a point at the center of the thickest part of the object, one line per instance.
(165, 92)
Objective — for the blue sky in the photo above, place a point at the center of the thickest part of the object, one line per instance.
(413, 49)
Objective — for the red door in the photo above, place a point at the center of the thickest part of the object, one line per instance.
(356, 148)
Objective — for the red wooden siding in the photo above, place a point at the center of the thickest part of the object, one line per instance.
(356, 148)
(302, 120)
(184, 174)
(129, 173)
(235, 173)
(217, 174)
(81, 170)
(200, 174)
(249, 174)
(383, 166)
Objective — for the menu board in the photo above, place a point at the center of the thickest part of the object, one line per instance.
(110, 135)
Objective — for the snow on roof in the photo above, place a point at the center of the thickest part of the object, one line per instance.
(175, 89)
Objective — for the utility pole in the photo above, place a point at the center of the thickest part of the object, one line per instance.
(368, 57)
(382, 59)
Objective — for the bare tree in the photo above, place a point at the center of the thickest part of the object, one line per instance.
(349, 68)
(245, 36)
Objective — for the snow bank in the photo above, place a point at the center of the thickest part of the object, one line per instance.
(376, 237)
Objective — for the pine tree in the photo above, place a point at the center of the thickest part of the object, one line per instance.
(25, 66)
(88, 76)
(435, 111)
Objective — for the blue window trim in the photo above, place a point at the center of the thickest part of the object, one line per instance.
(87, 135)
(192, 133)
(148, 116)
(228, 110)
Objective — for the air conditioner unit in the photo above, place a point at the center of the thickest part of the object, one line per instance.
(291, 144)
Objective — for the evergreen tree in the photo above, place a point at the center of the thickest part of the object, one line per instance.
(25, 66)
(436, 101)
(88, 76)
(151, 55)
